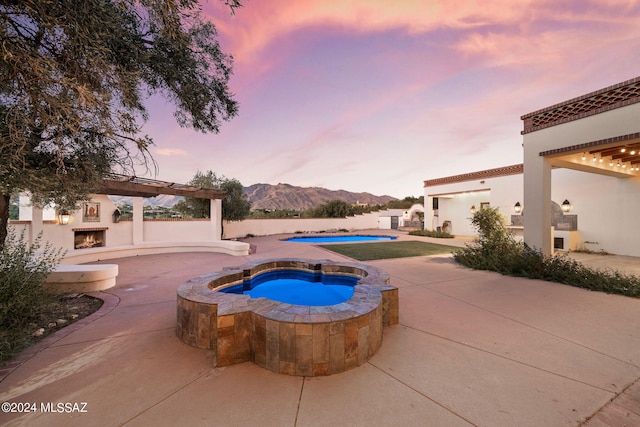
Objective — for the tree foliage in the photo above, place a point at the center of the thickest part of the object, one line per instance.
(339, 209)
(405, 203)
(74, 76)
(332, 209)
(235, 206)
(336, 209)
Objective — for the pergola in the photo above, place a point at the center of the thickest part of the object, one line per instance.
(122, 185)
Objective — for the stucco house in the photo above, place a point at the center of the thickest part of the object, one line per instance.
(579, 184)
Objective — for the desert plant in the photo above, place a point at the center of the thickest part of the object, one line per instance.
(497, 250)
(23, 270)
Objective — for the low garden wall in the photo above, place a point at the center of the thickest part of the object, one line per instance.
(267, 227)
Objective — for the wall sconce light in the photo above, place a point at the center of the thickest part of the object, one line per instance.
(473, 209)
(517, 208)
(64, 218)
(116, 216)
(566, 206)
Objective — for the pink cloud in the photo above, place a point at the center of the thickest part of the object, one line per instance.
(259, 24)
(377, 96)
(171, 152)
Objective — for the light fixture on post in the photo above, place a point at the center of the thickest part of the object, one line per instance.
(64, 217)
(517, 208)
(566, 206)
(116, 215)
(473, 209)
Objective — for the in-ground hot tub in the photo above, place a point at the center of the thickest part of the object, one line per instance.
(306, 340)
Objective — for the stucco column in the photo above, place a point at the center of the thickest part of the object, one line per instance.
(537, 202)
(37, 224)
(215, 230)
(138, 221)
(429, 218)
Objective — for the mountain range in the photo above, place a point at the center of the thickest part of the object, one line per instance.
(286, 196)
(280, 196)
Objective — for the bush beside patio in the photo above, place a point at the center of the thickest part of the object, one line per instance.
(432, 233)
(497, 250)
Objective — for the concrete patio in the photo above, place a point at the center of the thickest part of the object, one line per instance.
(472, 349)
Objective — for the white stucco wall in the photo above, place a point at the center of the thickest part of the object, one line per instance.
(455, 201)
(176, 230)
(63, 235)
(606, 206)
(384, 222)
(266, 226)
(124, 233)
(537, 183)
(137, 232)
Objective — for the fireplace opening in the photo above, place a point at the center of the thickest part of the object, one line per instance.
(558, 243)
(89, 238)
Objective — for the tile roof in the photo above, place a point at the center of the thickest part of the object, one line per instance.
(489, 173)
(609, 98)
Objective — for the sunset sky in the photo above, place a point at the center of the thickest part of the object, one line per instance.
(377, 96)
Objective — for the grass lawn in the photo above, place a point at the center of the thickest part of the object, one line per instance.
(384, 250)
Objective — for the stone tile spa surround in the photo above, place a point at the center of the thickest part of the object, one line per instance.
(286, 338)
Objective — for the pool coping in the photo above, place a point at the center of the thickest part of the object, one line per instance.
(366, 295)
(384, 237)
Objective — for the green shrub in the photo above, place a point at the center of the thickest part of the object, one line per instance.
(431, 233)
(497, 250)
(23, 271)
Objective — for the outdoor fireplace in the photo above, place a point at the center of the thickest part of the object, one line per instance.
(84, 238)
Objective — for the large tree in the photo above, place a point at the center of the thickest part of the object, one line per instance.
(235, 207)
(74, 75)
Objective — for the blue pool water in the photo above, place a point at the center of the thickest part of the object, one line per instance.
(335, 239)
(298, 287)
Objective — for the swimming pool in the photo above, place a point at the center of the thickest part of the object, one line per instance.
(298, 287)
(340, 239)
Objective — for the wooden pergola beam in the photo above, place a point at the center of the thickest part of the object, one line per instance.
(131, 186)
